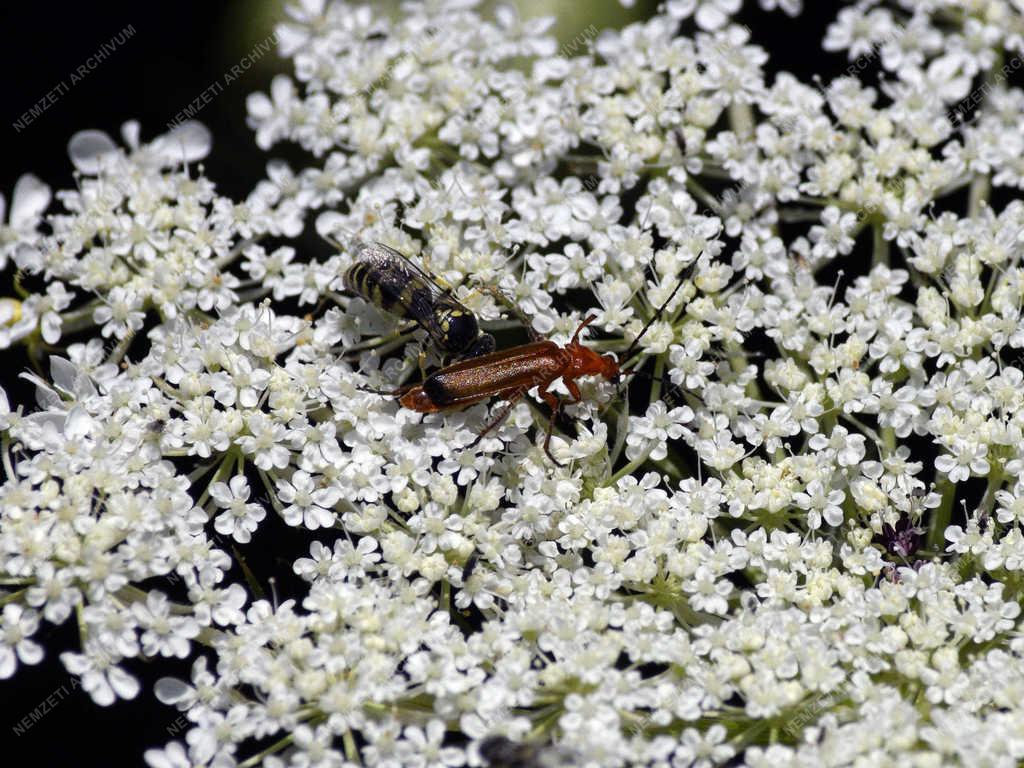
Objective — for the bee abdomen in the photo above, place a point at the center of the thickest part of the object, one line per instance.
(387, 289)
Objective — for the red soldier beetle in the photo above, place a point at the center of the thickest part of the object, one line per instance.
(511, 373)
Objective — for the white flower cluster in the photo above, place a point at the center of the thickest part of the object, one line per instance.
(795, 540)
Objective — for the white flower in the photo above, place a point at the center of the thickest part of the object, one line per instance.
(101, 677)
(308, 504)
(967, 459)
(422, 747)
(651, 432)
(832, 238)
(241, 517)
(164, 634)
(17, 625)
(710, 14)
(19, 228)
(121, 314)
(821, 505)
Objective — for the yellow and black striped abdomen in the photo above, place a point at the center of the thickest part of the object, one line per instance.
(393, 290)
(390, 281)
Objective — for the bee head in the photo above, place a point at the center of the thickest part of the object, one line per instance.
(460, 329)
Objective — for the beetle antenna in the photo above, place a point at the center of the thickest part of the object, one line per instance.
(587, 321)
(673, 392)
(661, 310)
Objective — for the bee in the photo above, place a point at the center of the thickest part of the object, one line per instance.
(501, 752)
(390, 280)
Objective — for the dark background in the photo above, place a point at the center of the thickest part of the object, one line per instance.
(177, 51)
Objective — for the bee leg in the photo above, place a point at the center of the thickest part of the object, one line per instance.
(484, 345)
(421, 360)
(382, 343)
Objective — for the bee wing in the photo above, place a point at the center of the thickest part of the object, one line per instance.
(385, 254)
(399, 279)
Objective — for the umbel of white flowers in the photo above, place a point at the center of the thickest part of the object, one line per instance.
(795, 540)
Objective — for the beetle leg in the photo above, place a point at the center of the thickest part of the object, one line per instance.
(512, 396)
(512, 307)
(547, 438)
(388, 392)
(549, 397)
(556, 409)
(573, 388)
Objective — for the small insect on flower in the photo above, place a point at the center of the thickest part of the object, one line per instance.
(387, 278)
(470, 566)
(501, 752)
(512, 372)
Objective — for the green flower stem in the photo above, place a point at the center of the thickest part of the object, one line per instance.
(941, 516)
(250, 578)
(274, 748)
(741, 119)
(547, 720)
(673, 466)
(117, 353)
(130, 594)
(977, 195)
(751, 732)
(800, 215)
(79, 319)
(702, 194)
(403, 330)
(228, 258)
(889, 438)
(626, 470)
(446, 595)
(875, 437)
(17, 284)
(659, 371)
(819, 202)
(880, 252)
(351, 750)
(981, 185)
(223, 470)
(271, 492)
(209, 637)
(995, 482)
(765, 403)
(83, 632)
(12, 597)
(738, 362)
(621, 428)
(5, 454)
(251, 297)
(198, 472)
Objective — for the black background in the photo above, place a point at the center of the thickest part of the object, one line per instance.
(177, 51)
